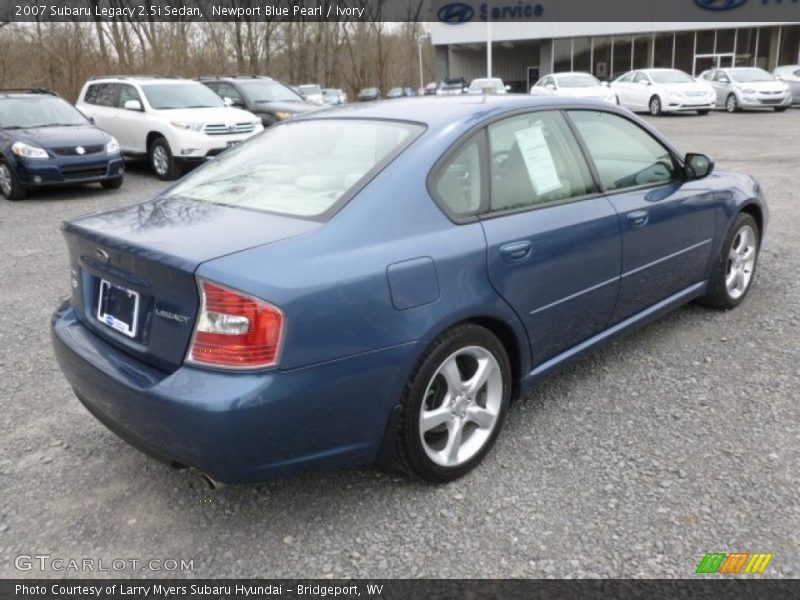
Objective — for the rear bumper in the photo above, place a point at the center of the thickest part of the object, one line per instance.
(66, 170)
(236, 427)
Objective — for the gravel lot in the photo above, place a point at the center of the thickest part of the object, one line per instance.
(682, 438)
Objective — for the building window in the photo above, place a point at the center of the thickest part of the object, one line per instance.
(790, 45)
(684, 51)
(705, 42)
(662, 50)
(623, 55)
(581, 54)
(725, 41)
(601, 58)
(746, 47)
(562, 55)
(642, 54)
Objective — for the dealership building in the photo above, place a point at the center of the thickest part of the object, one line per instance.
(524, 51)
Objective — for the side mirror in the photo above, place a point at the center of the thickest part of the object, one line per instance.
(550, 86)
(133, 105)
(698, 166)
(228, 101)
(604, 83)
(508, 88)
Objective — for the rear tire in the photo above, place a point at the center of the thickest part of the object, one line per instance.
(10, 185)
(454, 404)
(162, 161)
(735, 268)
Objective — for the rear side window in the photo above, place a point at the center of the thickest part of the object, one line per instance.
(102, 94)
(624, 154)
(535, 160)
(458, 184)
(302, 169)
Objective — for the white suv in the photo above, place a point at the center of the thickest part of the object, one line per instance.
(173, 121)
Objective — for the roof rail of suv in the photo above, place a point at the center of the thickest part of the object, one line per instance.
(134, 77)
(37, 90)
(213, 77)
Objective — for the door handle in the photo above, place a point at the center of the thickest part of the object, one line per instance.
(638, 218)
(515, 251)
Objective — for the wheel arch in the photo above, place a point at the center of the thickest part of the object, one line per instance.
(152, 136)
(754, 210)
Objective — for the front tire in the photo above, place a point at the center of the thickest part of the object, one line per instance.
(162, 162)
(655, 106)
(454, 404)
(10, 185)
(732, 104)
(736, 265)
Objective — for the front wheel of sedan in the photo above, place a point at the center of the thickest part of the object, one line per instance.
(655, 106)
(736, 265)
(10, 186)
(454, 404)
(732, 104)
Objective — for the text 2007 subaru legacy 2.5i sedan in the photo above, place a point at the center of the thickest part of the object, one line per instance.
(375, 285)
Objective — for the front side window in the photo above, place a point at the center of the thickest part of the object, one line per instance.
(226, 90)
(624, 154)
(299, 169)
(535, 160)
(127, 92)
(641, 78)
(458, 185)
(751, 75)
(165, 96)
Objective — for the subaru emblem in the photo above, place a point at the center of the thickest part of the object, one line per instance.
(80, 150)
(720, 5)
(455, 13)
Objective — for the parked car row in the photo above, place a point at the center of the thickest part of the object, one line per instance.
(660, 91)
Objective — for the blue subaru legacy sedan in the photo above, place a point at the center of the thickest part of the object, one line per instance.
(45, 141)
(375, 285)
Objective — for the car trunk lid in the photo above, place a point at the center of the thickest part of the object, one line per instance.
(147, 255)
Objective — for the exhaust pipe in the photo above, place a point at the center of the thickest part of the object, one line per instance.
(212, 483)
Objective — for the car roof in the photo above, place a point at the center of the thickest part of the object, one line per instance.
(443, 111)
(560, 73)
(148, 79)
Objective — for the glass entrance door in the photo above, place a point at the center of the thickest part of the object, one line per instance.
(703, 62)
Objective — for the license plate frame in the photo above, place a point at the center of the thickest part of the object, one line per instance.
(113, 299)
(233, 143)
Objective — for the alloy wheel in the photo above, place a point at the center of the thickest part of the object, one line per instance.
(160, 160)
(461, 406)
(731, 104)
(655, 107)
(6, 183)
(741, 262)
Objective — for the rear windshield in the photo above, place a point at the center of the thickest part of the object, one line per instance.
(299, 169)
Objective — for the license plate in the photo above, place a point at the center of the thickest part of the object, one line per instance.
(118, 307)
(231, 144)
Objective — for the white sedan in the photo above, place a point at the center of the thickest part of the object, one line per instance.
(663, 91)
(575, 85)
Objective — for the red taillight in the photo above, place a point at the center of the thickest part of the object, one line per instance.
(235, 330)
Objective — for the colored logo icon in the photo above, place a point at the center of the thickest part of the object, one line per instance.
(455, 12)
(735, 563)
(720, 5)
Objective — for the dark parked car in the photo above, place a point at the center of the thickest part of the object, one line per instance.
(369, 94)
(453, 87)
(401, 92)
(45, 141)
(377, 283)
(267, 98)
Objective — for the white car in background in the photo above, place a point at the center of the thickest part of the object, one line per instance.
(174, 122)
(748, 87)
(574, 84)
(487, 85)
(790, 75)
(660, 91)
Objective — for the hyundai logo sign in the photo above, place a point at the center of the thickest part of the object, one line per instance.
(720, 4)
(455, 12)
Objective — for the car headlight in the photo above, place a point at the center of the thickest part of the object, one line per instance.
(22, 149)
(748, 90)
(188, 125)
(282, 114)
(112, 147)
